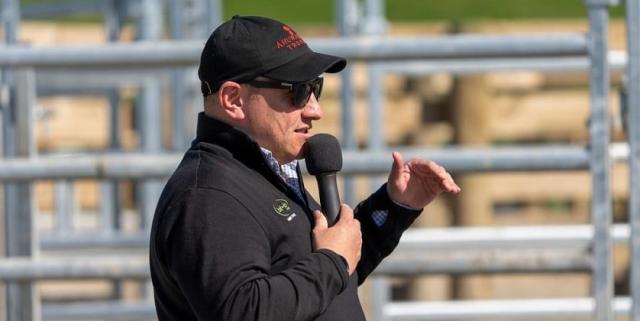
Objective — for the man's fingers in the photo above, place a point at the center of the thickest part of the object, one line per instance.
(453, 187)
(447, 181)
(321, 221)
(430, 168)
(450, 186)
(437, 173)
(345, 212)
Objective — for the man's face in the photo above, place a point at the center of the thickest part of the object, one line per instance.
(277, 125)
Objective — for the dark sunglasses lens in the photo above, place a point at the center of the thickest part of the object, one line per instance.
(317, 87)
(302, 92)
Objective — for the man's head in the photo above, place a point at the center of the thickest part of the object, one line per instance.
(258, 75)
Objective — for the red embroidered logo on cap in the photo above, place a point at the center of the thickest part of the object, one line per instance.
(291, 41)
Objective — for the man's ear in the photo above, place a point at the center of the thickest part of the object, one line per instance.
(231, 100)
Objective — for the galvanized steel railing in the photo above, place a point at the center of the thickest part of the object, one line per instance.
(455, 54)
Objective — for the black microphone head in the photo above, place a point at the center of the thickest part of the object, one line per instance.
(323, 154)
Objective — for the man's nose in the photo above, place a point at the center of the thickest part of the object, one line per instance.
(312, 109)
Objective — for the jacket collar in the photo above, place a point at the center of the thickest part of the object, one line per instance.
(242, 147)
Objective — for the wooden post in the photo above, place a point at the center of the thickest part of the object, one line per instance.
(472, 116)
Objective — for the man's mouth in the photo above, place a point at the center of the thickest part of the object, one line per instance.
(303, 130)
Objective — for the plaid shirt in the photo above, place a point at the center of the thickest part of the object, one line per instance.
(287, 172)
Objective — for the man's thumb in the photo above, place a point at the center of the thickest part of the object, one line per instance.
(397, 167)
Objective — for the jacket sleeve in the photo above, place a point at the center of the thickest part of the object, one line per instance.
(379, 241)
(220, 258)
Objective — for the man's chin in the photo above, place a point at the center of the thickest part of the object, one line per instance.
(300, 154)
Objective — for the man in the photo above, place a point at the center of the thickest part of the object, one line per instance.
(236, 236)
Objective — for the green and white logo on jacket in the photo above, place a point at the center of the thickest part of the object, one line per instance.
(282, 208)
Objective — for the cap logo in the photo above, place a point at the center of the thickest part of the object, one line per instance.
(291, 41)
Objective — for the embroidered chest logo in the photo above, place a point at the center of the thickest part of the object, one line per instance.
(291, 41)
(282, 208)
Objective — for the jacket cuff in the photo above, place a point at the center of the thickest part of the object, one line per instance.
(400, 217)
(341, 265)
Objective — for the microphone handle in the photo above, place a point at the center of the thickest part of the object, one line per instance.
(329, 197)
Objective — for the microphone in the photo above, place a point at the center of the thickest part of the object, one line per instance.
(323, 158)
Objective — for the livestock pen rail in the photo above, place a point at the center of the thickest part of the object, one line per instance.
(452, 250)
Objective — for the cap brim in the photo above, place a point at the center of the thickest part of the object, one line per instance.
(307, 67)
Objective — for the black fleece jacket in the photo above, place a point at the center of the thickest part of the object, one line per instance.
(231, 241)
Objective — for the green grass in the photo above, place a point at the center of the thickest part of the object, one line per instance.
(323, 11)
(466, 10)
(291, 11)
(419, 10)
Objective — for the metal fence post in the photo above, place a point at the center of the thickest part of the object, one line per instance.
(376, 131)
(602, 272)
(110, 189)
(150, 133)
(22, 301)
(178, 77)
(346, 17)
(189, 19)
(375, 23)
(64, 205)
(214, 16)
(114, 16)
(9, 20)
(149, 112)
(149, 117)
(599, 148)
(381, 297)
(633, 136)
(10, 15)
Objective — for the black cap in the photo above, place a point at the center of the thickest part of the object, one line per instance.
(244, 48)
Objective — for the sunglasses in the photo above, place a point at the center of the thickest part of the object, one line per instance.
(301, 90)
